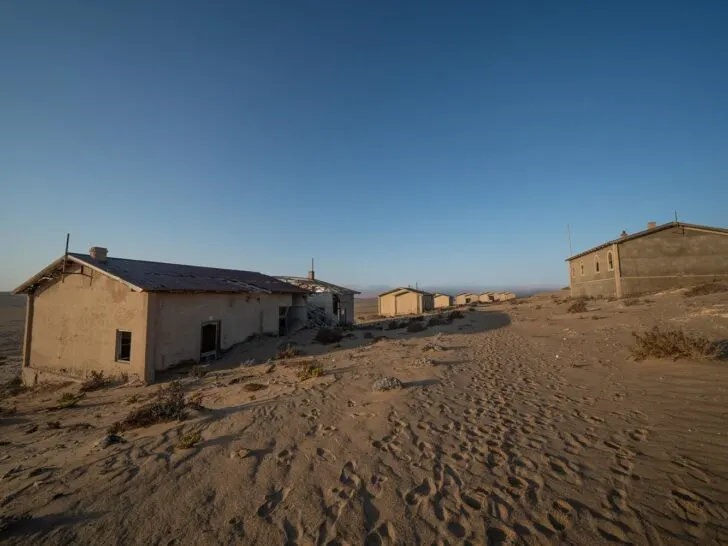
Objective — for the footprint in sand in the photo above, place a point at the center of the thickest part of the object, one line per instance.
(325, 455)
(416, 495)
(272, 501)
(638, 434)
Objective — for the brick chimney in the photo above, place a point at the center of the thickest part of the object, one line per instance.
(651, 225)
(311, 274)
(98, 253)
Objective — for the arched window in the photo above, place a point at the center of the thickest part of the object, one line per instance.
(610, 261)
(581, 265)
(596, 263)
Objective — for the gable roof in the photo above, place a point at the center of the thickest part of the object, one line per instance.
(438, 294)
(144, 276)
(316, 285)
(648, 232)
(401, 289)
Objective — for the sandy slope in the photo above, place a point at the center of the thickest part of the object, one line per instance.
(531, 426)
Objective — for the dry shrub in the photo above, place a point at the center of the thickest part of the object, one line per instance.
(368, 335)
(436, 321)
(629, 302)
(288, 351)
(69, 399)
(133, 399)
(12, 387)
(189, 440)
(309, 371)
(326, 336)
(673, 344)
(414, 326)
(95, 381)
(578, 306)
(612, 298)
(452, 315)
(168, 405)
(705, 289)
(394, 325)
(252, 387)
(377, 339)
(198, 371)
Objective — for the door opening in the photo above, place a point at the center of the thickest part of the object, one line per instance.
(210, 341)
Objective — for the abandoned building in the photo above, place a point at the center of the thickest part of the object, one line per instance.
(441, 300)
(503, 296)
(466, 298)
(327, 303)
(486, 297)
(91, 312)
(671, 255)
(405, 301)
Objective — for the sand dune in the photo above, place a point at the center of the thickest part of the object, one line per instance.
(529, 425)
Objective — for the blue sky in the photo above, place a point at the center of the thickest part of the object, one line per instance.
(397, 142)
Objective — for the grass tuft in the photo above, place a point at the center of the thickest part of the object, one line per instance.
(310, 371)
(630, 302)
(289, 351)
(168, 405)
(189, 440)
(705, 289)
(95, 381)
(69, 399)
(656, 343)
(578, 306)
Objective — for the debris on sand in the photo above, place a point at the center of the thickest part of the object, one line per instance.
(432, 347)
(387, 384)
(110, 439)
(326, 336)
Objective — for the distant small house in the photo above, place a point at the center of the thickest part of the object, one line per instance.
(442, 300)
(405, 301)
(661, 257)
(336, 302)
(486, 297)
(465, 298)
(93, 313)
(503, 296)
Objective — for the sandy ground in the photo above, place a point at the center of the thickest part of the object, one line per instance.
(531, 426)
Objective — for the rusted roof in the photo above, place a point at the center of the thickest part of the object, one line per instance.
(316, 285)
(402, 289)
(145, 276)
(647, 232)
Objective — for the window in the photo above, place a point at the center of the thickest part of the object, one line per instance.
(596, 264)
(610, 261)
(581, 266)
(123, 346)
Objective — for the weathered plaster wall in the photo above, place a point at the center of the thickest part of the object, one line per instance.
(592, 283)
(75, 323)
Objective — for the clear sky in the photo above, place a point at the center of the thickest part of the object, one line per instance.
(397, 142)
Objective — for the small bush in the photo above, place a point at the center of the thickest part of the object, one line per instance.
(415, 326)
(195, 400)
(705, 289)
(674, 344)
(393, 325)
(12, 387)
(368, 335)
(133, 399)
(289, 351)
(95, 381)
(326, 336)
(309, 371)
(452, 315)
(69, 399)
(198, 371)
(629, 302)
(436, 321)
(252, 387)
(189, 440)
(578, 306)
(612, 298)
(53, 424)
(168, 405)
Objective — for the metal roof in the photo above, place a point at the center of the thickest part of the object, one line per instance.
(647, 232)
(402, 289)
(316, 285)
(145, 276)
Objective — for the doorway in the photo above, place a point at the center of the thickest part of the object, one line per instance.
(210, 341)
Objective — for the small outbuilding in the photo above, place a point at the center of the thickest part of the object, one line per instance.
(405, 301)
(465, 298)
(671, 255)
(442, 300)
(94, 313)
(486, 297)
(503, 296)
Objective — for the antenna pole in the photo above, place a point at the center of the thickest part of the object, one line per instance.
(676, 216)
(568, 231)
(65, 258)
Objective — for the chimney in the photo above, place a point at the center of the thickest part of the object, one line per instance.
(651, 225)
(623, 234)
(98, 253)
(312, 273)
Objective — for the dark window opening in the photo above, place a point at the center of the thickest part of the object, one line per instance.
(282, 321)
(336, 305)
(610, 261)
(596, 265)
(123, 346)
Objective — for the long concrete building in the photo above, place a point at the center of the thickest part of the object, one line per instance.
(661, 257)
(91, 312)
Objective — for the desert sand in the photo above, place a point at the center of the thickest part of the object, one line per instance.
(516, 424)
